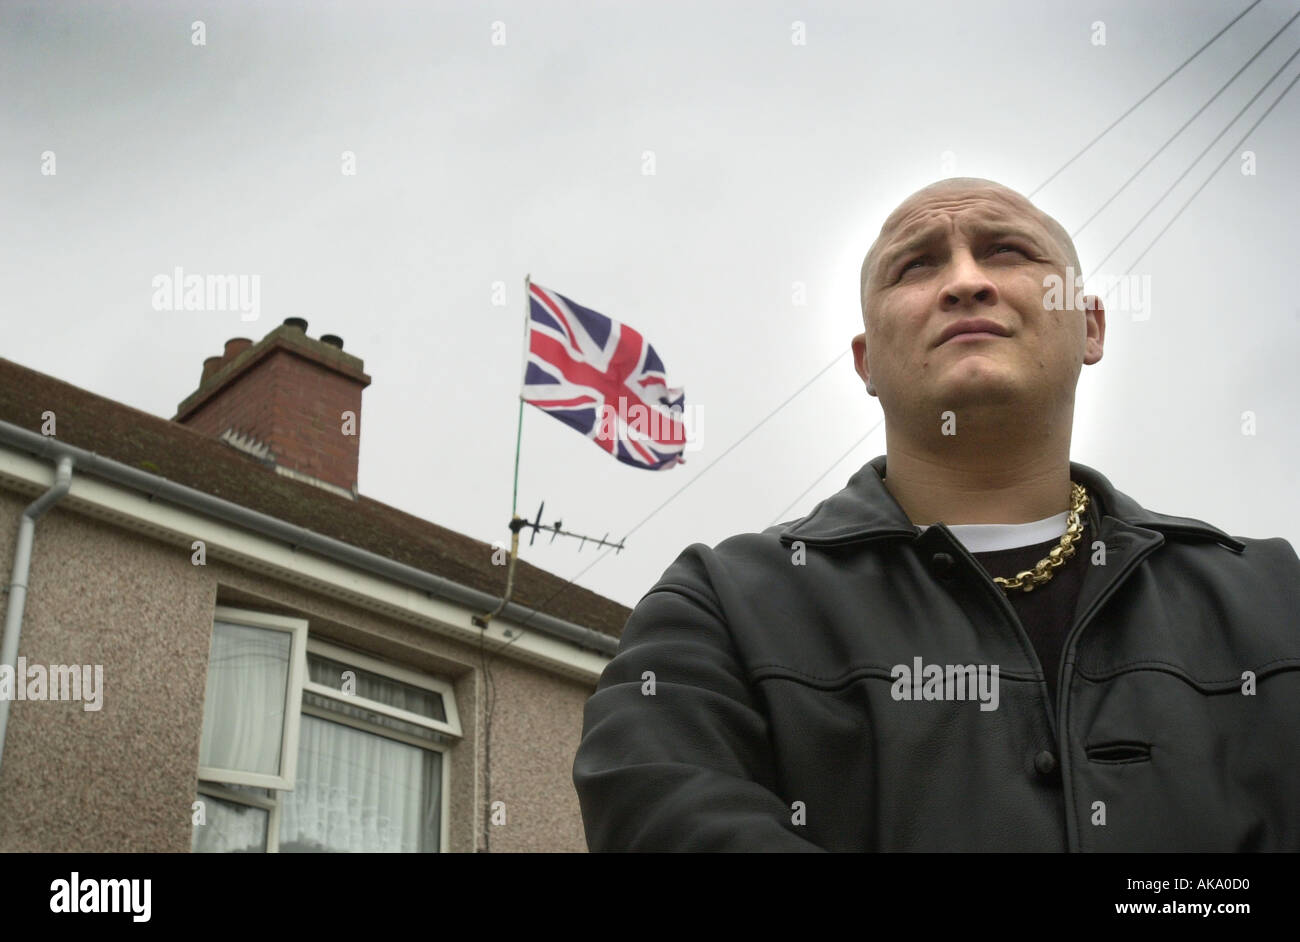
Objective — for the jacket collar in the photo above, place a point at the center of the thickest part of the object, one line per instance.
(865, 510)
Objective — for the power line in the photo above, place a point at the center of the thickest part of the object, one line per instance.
(838, 460)
(1159, 86)
(677, 493)
(1226, 158)
(1197, 158)
(1186, 124)
(735, 444)
(540, 608)
(1151, 245)
(1126, 183)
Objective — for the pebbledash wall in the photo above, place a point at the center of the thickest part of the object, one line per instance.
(123, 778)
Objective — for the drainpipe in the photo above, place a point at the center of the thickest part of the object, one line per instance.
(18, 584)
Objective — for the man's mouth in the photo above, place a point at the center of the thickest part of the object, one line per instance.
(973, 329)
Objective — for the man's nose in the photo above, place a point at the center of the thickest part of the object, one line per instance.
(967, 283)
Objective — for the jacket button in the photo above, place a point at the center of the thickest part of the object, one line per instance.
(1045, 763)
(942, 564)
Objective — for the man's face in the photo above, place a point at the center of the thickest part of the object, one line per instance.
(955, 253)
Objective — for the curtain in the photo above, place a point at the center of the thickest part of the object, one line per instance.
(230, 829)
(413, 699)
(356, 792)
(243, 709)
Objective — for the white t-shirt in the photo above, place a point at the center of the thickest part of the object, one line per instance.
(988, 537)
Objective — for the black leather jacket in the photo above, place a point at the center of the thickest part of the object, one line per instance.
(773, 724)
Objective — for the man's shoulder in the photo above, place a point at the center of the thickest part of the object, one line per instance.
(751, 558)
(741, 548)
(1184, 530)
(1273, 557)
(1197, 533)
(1196, 556)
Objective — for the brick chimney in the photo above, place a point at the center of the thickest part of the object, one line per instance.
(285, 399)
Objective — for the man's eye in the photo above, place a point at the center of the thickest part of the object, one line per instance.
(922, 259)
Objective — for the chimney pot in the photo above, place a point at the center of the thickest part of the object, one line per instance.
(298, 322)
(333, 340)
(210, 366)
(288, 397)
(235, 346)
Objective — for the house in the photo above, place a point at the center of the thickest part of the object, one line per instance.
(214, 642)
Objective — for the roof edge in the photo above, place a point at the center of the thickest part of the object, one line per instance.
(296, 536)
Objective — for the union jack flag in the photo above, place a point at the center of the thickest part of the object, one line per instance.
(602, 378)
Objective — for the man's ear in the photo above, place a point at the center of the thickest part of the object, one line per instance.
(859, 345)
(1094, 318)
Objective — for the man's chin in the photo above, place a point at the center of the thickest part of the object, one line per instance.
(984, 388)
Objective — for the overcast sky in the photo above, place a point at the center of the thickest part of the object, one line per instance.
(496, 139)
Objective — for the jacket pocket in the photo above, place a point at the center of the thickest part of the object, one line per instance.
(1118, 753)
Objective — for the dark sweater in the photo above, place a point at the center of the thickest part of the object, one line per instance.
(1048, 611)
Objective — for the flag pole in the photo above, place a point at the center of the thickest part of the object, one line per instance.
(516, 522)
(519, 431)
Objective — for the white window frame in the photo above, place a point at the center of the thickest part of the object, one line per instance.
(372, 665)
(270, 805)
(450, 728)
(446, 730)
(297, 631)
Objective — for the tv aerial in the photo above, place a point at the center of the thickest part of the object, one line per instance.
(555, 530)
(518, 523)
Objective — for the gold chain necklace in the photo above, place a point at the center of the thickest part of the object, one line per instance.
(1047, 566)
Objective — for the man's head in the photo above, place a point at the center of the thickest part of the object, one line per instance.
(964, 249)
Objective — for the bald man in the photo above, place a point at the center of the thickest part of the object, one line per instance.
(977, 644)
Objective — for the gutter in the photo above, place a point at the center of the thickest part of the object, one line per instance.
(301, 538)
(18, 584)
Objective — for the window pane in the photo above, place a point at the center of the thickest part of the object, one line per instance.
(341, 706)
(384, 690)
(357, 791)
(230, 829)
(243, 708)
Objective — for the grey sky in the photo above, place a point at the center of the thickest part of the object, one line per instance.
(775, 163)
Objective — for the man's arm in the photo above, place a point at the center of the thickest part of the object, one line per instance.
(687, 767)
